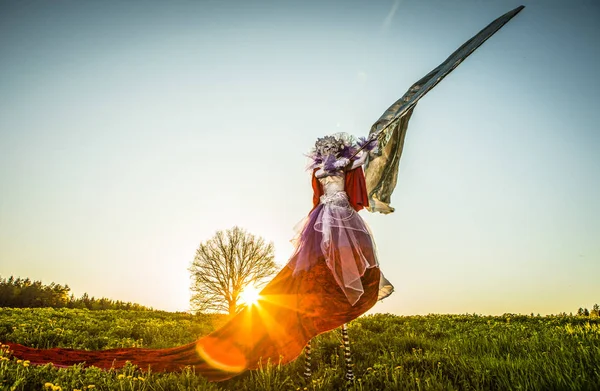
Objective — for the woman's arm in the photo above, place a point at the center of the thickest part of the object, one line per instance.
(321, 173)
(332, 166)
(341, 164)
(358, 162)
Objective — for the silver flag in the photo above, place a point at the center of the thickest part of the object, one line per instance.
(381, 171)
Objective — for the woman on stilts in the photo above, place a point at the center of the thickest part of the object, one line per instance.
(334, 231)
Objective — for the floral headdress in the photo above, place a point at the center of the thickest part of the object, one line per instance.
(347, 146)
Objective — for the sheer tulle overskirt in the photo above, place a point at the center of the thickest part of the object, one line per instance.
(334, 233)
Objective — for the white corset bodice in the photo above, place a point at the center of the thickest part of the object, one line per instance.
(332, 184)
(333, 191)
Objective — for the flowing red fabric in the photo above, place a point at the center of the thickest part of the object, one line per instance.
(294, 307)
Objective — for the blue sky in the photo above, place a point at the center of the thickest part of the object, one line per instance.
(130, 133)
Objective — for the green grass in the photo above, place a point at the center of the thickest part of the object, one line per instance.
(435, 352)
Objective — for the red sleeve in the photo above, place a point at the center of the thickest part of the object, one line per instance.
(356, 188)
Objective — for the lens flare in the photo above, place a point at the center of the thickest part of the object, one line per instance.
(250, 296)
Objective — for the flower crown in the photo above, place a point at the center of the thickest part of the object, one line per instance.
(346, 146)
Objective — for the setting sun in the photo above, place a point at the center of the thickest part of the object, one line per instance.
(250, 296)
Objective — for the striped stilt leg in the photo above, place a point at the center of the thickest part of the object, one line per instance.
(347, 354)
(307, 370)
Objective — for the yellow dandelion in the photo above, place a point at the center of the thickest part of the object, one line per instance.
(91, 386)
(121, 376)
(129, 377)
(19, 361)
(48, 385)
(56, 388)
(141, 378)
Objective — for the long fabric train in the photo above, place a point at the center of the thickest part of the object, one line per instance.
(297, 305)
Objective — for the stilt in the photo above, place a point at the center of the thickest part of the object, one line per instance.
(307, 366)
(347, 354)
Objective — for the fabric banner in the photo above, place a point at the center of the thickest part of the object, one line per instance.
(381, 172)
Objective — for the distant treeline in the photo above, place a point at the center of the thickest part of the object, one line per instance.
(24, 293)
(585, 312)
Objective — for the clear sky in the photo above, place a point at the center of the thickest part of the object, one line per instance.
(131, 132)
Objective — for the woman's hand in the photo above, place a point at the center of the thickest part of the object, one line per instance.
(341, 163)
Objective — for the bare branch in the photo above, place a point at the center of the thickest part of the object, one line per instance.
(224, 265)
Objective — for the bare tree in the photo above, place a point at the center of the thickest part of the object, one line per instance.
(226, 264)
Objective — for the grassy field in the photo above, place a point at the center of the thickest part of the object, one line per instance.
(435, 352)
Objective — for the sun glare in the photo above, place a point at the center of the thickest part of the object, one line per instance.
(250, 296)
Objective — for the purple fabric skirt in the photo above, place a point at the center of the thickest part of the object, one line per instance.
(334, 233)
